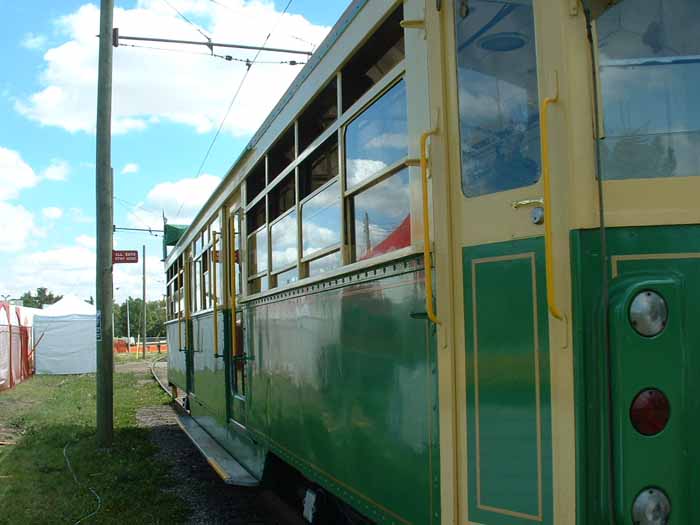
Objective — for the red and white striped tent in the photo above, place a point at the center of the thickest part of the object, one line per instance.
(16, 357)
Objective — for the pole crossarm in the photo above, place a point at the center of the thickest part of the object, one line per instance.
(208, 44)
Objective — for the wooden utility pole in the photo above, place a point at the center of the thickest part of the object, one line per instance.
(144, 302)
(104, 195)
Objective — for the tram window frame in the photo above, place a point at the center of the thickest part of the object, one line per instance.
(349, 109)
(282, 153)
(521, 165)
(374, 60)
(319, 115)
(377, 178)
(256, 180)
(281, 269)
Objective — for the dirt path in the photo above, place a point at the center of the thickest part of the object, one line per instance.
(211, 501)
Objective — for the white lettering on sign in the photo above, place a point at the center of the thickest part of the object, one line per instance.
(98, 326)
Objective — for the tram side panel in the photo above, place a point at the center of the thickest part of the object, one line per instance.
(208, 396)
(344, 389)
(177, 364)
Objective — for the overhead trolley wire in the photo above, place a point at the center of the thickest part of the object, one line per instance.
(235, 96)
(195, 26)
(227, 58)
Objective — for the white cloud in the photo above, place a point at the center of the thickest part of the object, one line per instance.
(57, 170)
(180, 200)
(32, 41)
(71, 269)
(86, 241)
(77, 215)
(15, 174)
(132, 167)
(152, 86)
(128, 279)
(52, 213)
(17, 226)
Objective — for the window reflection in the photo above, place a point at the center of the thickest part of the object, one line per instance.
(257, 252)
(284, 241)
(382, 218)
(324, 264)
(288, 277)
(498, 100)
(378, 137)
(650, 70)
(321, 220)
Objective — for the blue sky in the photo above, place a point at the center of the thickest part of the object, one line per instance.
(167, 106)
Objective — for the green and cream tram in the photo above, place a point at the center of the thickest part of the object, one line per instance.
(453, 278)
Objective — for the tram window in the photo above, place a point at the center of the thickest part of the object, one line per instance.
(498, 98)
(377, 138)
(282, 197)
(324, 264)
(206, 284)
(281, 154)
(382, 217)
(321, 220)
(283, 241)
(255, 181)
(287, 277)
(196, 286)
(236, 219)
(382, 51)
(319, 115)
(320, 167)
(239, 378)
(649, 76)
(257, 252)
(256, 216)
(258, 285)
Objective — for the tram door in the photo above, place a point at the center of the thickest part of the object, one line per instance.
(238, 363)
(501, 324)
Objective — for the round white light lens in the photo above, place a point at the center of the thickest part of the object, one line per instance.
(648, 313)
(651, 507)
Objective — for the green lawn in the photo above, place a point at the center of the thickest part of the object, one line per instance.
(47, 412)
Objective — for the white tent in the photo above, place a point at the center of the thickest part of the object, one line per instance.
(64, 335)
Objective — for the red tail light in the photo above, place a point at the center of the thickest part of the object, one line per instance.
(650, 412)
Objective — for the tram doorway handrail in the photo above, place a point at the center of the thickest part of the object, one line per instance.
(427, 261)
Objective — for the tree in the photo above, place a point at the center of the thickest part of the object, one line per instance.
(155, 318)
(42, 297)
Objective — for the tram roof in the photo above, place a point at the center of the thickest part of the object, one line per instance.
(336, 31)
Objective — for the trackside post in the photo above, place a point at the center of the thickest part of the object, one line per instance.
(104, 211)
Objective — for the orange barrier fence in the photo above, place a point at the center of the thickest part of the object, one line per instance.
(120, 347)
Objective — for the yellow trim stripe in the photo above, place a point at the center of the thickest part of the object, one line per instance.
(615, 259)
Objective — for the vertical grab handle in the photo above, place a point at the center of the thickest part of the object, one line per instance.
(427, 262)
(549, 258)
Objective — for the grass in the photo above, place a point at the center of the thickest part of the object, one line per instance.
(47, 412)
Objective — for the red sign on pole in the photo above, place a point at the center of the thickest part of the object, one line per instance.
(125, 256)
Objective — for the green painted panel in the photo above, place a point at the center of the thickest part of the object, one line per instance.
(666, 259)
(344, 387)
(176, 358)
(508, 388)
(208, 402)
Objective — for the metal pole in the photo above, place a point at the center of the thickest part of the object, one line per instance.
(128, 326)
(104, 196)
(144, 303)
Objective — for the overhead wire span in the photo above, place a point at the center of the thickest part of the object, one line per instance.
(195, 26)
(235, 96)
(228, 58)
